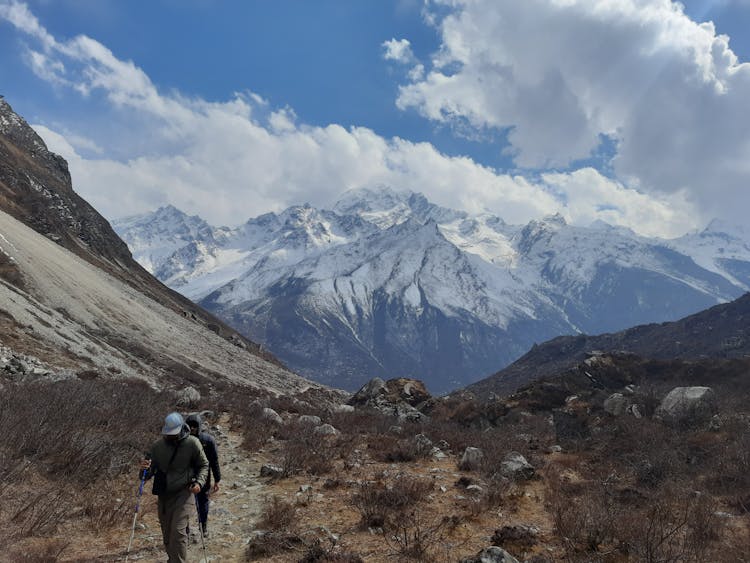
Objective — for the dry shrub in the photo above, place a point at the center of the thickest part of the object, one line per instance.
(674, 528)
(277, 515)
(382, 505)
(268, 544)
(316, 553)
(583, 521)
(66, 441)
(411, 536)
(391, 449)
(306, 451)
(47, 552)
(279, 524)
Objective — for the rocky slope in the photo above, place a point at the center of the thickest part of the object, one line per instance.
(73, 298)
(388, 284)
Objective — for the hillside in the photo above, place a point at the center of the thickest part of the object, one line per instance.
(721, 332)
(75, 300)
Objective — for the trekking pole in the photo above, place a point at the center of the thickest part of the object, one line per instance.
(137, 505)
(200, 529)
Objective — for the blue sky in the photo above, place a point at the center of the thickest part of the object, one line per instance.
(631, 112)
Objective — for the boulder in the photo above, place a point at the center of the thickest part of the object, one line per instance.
(343, 409)
(271, 416)
(689, 405)
(423, 443)
(309, 420)
(326, 430)
(269, 470)
(472, 459)
(616, 404)
(492, 554)
(188, 397)
(515, 467)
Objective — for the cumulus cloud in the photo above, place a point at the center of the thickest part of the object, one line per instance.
(398, 50)
(557, 75)
(234, 159)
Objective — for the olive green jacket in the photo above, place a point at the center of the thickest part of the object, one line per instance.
(188, 465)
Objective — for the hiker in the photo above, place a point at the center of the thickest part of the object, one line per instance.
(180, 469)
(212, 453)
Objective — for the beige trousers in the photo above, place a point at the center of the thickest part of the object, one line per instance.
(174, 516)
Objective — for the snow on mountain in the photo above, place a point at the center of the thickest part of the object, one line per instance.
(720, 248)
(387, 283)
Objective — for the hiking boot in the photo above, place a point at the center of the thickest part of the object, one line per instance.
(205, 530)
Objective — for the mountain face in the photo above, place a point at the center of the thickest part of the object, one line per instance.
(73, 299)
(388, 284)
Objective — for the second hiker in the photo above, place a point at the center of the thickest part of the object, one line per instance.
(212, 453)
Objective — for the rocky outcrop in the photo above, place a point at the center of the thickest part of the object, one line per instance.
(398, 397)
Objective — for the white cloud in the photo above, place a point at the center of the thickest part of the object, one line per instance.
(398, 50)
(232, 160)
(558, 74)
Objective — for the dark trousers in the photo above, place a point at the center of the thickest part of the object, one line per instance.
(203, 503)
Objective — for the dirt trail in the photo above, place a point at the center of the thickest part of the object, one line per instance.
(233, 511)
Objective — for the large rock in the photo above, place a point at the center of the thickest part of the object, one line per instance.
(492, 554)
(690, 405)
(515, 467)
(309, 420)
(188, 397)
(472, 459)
(369, 392)
(272, 416)
(616, 404)
(326, 430)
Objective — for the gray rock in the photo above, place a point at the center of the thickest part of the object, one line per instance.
(554, 449)
(272, 416)
(716, 423)
(368, 392)
(616, 404)
(472, 459)
(309, 419)
(688, 405)
(188, 397)
(423, 443)
(326, 430)
(269, 470)
(515, 467)
(437, 454)
(395, 429)
(492, 554)
(343, 408)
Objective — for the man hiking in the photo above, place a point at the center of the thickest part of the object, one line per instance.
(180, 469)
(212, 453)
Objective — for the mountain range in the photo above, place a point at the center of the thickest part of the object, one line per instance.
(388, 284)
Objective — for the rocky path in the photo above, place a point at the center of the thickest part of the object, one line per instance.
(233, 512)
